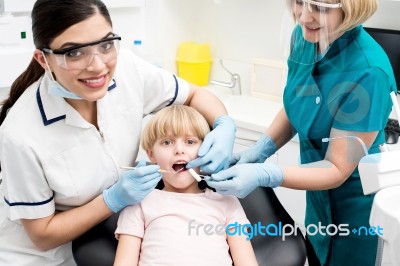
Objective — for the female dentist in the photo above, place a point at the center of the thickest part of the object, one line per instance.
(338, 88)
(71, 120)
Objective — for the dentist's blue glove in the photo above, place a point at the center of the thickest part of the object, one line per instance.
(132, 186)
(240, 180)
(216, 150)
(258, 153)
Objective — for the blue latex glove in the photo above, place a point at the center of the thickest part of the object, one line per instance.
(241, 179)
(132, 186)
(216, 150)
(258, 153)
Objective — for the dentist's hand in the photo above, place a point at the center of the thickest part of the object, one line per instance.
(132, 186)
(258, 153)
(216, 150)
(240, 180)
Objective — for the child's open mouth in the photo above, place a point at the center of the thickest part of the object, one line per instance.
(179, 166)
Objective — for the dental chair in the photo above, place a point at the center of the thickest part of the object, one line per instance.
(98, 246)
(262, 205)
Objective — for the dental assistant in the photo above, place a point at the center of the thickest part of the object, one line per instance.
(71, 120)
(338, 88)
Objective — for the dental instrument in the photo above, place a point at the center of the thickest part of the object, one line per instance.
(349, 137)
(161, 170)
(197, 176)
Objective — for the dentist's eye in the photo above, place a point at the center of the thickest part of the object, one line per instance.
(75, 54)
(299, 2)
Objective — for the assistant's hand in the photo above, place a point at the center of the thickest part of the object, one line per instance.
(240, 180)
(132, 186)
(216, 150)
(258, 153)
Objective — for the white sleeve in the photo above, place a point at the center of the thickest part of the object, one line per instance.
(26, 191)
(160, 87)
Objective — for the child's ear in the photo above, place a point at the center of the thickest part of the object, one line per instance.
(151, 156)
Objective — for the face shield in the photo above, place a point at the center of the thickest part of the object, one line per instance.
(312, 29)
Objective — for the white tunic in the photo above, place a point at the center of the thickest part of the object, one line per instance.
(52, 159)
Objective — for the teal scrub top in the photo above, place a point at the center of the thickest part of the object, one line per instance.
(348, 89)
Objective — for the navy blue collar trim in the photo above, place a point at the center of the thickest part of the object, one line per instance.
(46, 122)
(113, 86)
(176, 91)
(28, 203)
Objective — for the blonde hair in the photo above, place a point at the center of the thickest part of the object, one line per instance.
(181, 120)
(355, 12)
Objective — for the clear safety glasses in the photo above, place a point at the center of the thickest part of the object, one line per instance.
(310, 34)
(80, 56)
(315, 6)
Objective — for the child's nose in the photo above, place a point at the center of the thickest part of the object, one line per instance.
(179, 148)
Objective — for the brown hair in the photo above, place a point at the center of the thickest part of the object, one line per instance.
(49, 19)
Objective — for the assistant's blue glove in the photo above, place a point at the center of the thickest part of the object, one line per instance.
(258, 153)
(215, 152)
(241, 179)
(132, 186)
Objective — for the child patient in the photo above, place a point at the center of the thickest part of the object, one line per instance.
(182, 224)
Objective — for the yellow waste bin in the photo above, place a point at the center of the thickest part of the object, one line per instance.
(194, 62)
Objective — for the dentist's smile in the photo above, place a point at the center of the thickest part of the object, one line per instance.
(95, 83)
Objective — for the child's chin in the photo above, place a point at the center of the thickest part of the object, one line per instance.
(184, 187)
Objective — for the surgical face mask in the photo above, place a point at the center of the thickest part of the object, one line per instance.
(55, 88)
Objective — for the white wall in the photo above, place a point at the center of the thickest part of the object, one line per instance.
(387, 15)
(129, 23)
(237, 30)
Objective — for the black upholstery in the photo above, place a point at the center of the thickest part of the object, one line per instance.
(263, 206)
(98, 246)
